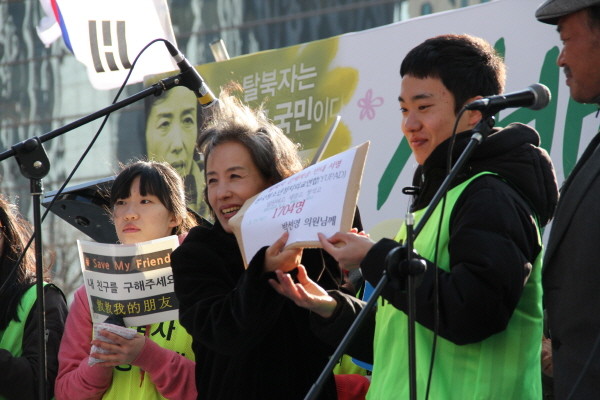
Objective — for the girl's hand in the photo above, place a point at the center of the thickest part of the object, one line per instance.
(121, 351)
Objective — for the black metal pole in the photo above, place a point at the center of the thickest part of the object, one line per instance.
(411, 294)
(339, 351)
(36, 191)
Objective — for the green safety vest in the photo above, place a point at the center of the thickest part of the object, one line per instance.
(129, 383)
(11, 338)
(504, 366)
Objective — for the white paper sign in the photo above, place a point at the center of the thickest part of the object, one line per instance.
(319, 199)
(131, 281)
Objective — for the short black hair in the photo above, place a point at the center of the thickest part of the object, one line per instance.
(468, 66)
(159, 179)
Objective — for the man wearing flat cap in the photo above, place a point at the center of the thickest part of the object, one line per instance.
(571, 275)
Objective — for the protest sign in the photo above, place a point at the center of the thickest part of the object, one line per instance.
(319, 199)
(134, 281)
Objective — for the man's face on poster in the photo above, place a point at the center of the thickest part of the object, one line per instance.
(171, 129)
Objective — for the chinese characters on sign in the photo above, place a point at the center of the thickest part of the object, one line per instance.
(130, 281)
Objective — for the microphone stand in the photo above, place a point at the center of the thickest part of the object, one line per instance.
(34, 164)
(480, 133)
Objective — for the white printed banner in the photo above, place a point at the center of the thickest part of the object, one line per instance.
(356, 76)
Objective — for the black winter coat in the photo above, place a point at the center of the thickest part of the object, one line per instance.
(19, 378)
(570, 281)
(249, 342)
(493, 241)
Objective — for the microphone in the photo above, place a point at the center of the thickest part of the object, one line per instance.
(536, 97)
(191, 79)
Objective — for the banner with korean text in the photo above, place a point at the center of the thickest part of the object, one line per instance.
(356, 75)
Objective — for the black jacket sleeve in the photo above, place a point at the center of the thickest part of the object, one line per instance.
(225, 314)
(493, 244)
(19, 377)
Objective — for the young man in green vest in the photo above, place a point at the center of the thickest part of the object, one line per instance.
(481, 292)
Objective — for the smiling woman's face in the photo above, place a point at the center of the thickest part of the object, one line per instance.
(231, 179)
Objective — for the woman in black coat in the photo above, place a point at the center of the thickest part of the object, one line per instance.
(250, 342)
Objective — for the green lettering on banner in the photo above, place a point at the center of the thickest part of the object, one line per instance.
(392, 172)
(543, 120)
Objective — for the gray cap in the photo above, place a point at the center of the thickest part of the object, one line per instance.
(551, 10)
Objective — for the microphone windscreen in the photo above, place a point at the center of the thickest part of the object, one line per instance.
(542, 96)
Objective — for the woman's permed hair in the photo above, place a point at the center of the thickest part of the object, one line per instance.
(273, 153)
